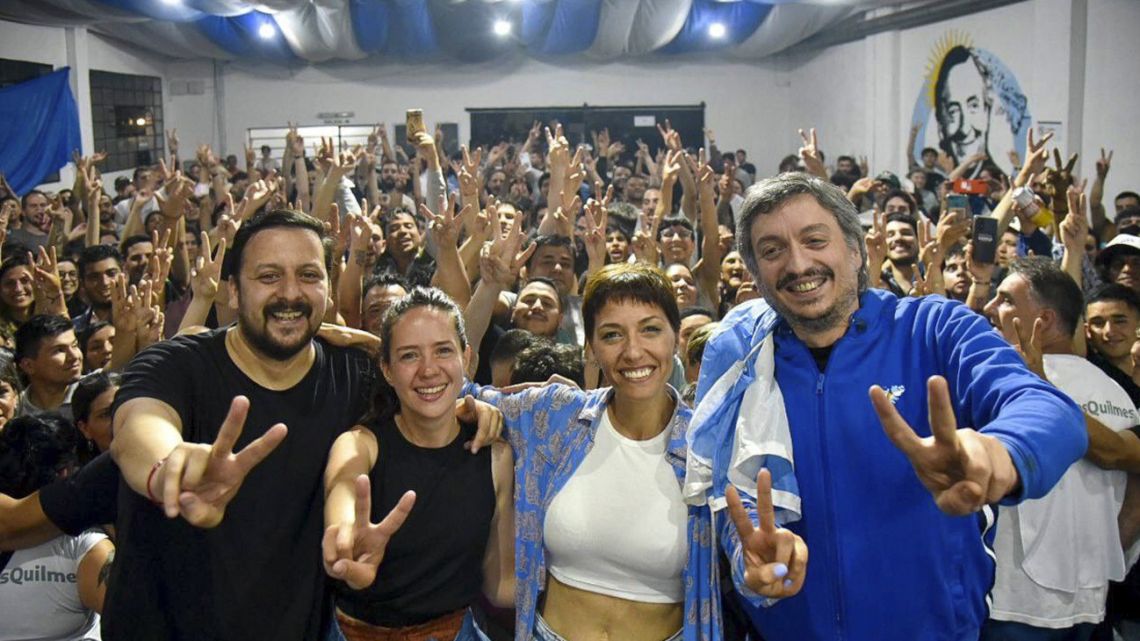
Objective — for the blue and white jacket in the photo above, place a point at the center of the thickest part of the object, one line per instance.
(885, 562)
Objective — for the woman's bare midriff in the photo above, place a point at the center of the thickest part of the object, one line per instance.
(579, 615)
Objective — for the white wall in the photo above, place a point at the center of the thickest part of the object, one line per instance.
(1076, 60)
(746, 104)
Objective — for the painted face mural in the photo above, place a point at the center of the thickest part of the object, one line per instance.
(970, 103)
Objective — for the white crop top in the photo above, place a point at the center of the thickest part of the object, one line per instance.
(619, 526)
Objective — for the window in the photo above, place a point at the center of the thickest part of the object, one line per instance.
(16, 71)
(126, 116)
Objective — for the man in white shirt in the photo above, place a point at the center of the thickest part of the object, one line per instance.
(1056, 555)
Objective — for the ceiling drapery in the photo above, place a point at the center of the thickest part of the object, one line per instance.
(316, 31)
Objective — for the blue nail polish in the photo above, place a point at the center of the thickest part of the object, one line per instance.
(788, 583)
(780, 571)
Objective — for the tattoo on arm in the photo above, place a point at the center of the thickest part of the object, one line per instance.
(105, 571)
(361, 257)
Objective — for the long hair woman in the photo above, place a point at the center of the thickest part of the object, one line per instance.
(449, 531)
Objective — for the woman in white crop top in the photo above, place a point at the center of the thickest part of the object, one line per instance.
(605, 546)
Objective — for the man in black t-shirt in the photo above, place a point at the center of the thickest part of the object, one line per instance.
(242, 562)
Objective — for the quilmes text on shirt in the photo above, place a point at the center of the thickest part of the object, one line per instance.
(1108, 408)
(35, 574)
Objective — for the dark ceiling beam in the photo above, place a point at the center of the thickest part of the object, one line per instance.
(860, 25)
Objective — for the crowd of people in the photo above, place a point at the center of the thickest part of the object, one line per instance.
(570, 392)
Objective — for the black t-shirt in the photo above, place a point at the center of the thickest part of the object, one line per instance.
(1115, 373)
(84, 500)
(433, 564)
(258, 574)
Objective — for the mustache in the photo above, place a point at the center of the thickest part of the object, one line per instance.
(814, 272)
(277, 308)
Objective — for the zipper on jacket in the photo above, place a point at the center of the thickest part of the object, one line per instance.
(837, 592)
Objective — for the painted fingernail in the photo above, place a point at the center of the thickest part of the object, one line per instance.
(780, 571)
(788, 583)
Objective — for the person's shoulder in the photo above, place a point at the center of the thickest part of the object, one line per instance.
(185, 345)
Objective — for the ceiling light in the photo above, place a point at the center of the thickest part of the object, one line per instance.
(717, 30)
(266, 31)
(140, 122)
(502, 27)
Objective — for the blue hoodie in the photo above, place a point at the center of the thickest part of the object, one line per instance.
(885, 562)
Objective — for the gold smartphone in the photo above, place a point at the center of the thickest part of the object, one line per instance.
(415, 124)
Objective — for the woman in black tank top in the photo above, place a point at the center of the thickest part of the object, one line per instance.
(448, 534)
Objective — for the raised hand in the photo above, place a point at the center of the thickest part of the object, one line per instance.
(487, 418)
(597, 218)
(961, 468)
(444, 226)
(671, 167)
(1036, 156)
(501, 259)
(172, 141)
(645, 240)
(809, 153)
(1026, 341)
(206, 274)
(1074, 227)
(352, 552)
(775, 559)
(1058, 180)
(979, 272)
(670, 136)
(876, 240)
(198, 480)
(952, 227)
(46, 283)
(930, 255)
(1104, 164)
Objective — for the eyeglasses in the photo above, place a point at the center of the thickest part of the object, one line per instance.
(674, 232)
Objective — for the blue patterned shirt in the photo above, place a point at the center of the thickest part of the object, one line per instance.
(551, 429)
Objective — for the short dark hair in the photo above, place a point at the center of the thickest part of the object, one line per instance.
(96, 253)
(549, 283)
(9, 373)
(639, 282)
(543, 359)
(265, 148)
(270, 220)
(34, 192)
(697, 311)
(1114, 292)
(17, 259)
(131, 241)
(1052, 287)
(929, 150)
(675, 220)
(88, 389)
(84, 336)
(36, 330)
(1127, 212)
(1126, 194)
(390, 216)
(899, 217)
(549, 240)
(36, 450)
(511, 343)
(385, 279)
(898, 193)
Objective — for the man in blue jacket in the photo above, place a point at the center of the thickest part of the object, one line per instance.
(953, 416)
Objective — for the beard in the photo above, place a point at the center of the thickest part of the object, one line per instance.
(256, 331)
(834, 316)
(904, 261)
(387, 185)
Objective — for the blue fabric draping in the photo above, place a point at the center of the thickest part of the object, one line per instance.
(316, 31)
(239, 36)
(39, 128)
(560, 27)
(740, 20)
(370, 20)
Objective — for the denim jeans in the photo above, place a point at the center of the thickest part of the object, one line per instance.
(469, 631)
